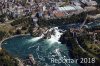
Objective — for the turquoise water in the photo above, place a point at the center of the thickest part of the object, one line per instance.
(41, 49)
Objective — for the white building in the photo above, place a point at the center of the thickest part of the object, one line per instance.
(90, 2)
(76, 3)
(70, 8)
(44, 8)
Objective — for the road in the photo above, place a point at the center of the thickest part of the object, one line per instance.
(84, 49)
(80, 45)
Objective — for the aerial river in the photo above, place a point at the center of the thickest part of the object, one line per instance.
(43, 50)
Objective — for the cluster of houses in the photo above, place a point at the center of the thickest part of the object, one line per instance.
(45, 8)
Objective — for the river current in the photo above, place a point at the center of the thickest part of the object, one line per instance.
(42, 49)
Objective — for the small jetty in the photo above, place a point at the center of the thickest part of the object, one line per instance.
(31, 58)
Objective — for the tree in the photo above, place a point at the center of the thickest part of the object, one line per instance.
(18, 31)
(2, 34)
(6, 59)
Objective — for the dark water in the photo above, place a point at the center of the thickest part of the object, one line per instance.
(98, 1)
(42, 50)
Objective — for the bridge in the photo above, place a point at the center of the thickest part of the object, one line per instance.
(83, 22)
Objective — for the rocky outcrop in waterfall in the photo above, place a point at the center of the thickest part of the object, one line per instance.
(53, 33)
(47, 35)
(36, 32)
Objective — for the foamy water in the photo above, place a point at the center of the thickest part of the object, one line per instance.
(42, 50)
(56, 37)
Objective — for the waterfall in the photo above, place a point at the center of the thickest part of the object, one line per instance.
(52, 35)
(36, 38)
(55, 35)
(42, 50)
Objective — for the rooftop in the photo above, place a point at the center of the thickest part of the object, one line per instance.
(68, 8)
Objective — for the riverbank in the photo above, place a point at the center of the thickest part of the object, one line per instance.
(77, 46)
(10, 38)
(19, 62)
(22, 47)
(7, 59)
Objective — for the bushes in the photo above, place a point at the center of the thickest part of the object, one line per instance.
(2, 34)
(63, 21)
(6, 59)
(2, 17)
(20, 21)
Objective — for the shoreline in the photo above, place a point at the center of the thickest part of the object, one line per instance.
(10, 38)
